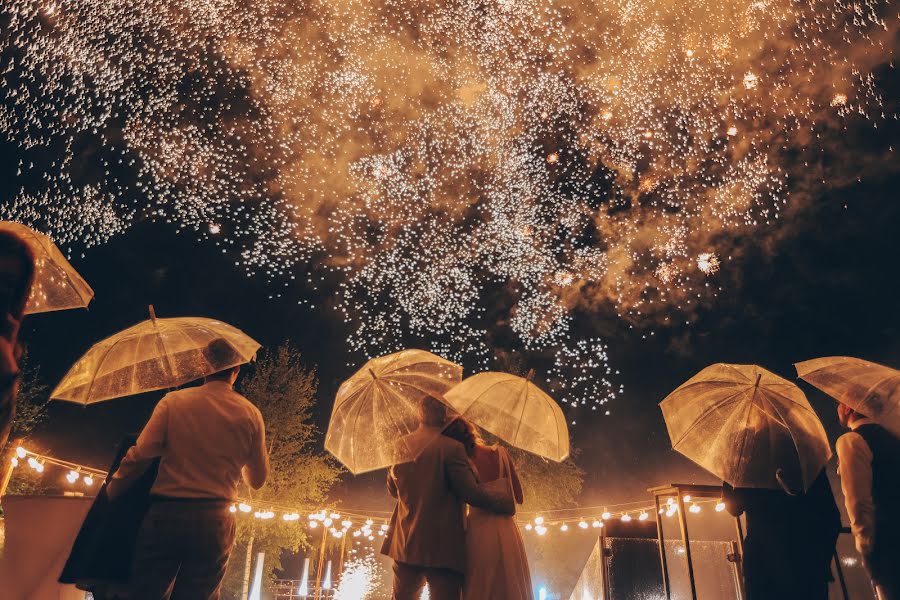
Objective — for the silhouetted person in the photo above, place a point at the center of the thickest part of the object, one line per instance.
(869, 466)
(790, 539)
(206, 438)
(427, 536)
(16, 277)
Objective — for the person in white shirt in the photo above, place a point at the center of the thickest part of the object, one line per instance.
(207, 438)
(869, 466)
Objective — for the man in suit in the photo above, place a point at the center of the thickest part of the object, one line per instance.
(206, 438)
(427, 537)
(869, 463)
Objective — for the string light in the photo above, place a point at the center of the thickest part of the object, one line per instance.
(695, 508)
(643, 516)
(626, 517)
(720, 506)
(583, 524)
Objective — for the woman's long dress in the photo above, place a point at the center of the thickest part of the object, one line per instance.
(497, 566)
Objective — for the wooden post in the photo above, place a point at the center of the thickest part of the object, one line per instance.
(685, 537)
(319, 566)
(245, 591)
(339, 575)
(662, 549)
(8, 464)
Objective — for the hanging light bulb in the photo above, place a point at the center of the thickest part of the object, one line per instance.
(687, 498)
(88, 480)
(72, 476)
(540, 529)
(20, 452)
(606, 515)
(626, 517)
(539, 520)
(564, 527)
(232, 508)
(643, 516)
(528, 527)
(695, 508)
(313, 524)
(597, 524)
(583, 524)
(244, 508)
(720, 506)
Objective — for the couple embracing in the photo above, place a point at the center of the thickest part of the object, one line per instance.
(432, 539)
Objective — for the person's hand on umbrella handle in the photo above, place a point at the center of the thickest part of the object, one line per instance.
(779, 477)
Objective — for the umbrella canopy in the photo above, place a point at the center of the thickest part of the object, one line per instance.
(868, 388)
(744, 424)
(515, 410)
(57, 285)
(154, 355)
(376, 421)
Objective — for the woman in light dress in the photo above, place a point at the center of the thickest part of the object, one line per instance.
(497, 566)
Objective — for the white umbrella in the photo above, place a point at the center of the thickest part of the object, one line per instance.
(744, 424)
(375, 422)
(515, 410)
(153, 355)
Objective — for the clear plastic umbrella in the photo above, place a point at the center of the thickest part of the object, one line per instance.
(57, 285)
(515, 410)
(745, 424)
(376, 421)
(153, 355)
(868, 388)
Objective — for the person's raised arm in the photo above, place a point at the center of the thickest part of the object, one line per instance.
(150, 445)
(256, 470)
(734, 500)
(464, 484)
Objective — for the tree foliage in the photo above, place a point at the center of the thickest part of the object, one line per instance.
(31, 411)
(284, 390)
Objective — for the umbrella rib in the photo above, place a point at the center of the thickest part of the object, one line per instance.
(731, 368)
(97, 370)
(703, 415)
(794, 441)
(522, 414)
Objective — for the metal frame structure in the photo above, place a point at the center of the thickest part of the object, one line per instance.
(679, 491)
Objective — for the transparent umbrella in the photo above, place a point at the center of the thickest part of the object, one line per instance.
(376, 420)
(515, 410)
(868, 388)
(153, 355)
(57, 285)
(745, 424)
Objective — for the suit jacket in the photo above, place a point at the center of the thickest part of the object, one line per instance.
(104, 547)
(428, 525)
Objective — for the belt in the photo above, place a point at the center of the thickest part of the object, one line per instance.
(173, 499)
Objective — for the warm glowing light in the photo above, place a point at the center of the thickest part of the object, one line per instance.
(643, 516)
(720, 506)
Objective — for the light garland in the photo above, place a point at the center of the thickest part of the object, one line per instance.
(362, 524)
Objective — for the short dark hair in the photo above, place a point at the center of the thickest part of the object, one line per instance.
(11, 244)
(433, 411)
(220, 353)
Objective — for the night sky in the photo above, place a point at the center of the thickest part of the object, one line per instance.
(827, 288)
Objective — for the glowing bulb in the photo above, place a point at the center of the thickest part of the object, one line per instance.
(72, 476)
(20, 452)
(596, 524)
(695, 508)
(687, 498)
(583, 524)
(539, 520)
(528, 527)
(720, 506)
(626, 517)
(540, 529)
(244, 508)
(643, 516)
(15, 462)
(346, 524)
(88, 480)
(564, 527)
(606, 515)
(313, 524)
(232, 508)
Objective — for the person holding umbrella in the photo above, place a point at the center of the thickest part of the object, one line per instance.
(206, 438)
(868, 396)
(757, 432)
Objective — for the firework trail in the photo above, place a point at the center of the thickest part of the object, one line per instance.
(463, 167)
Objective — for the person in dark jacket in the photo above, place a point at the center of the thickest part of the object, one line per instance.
(869, 466)
(790, 539)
